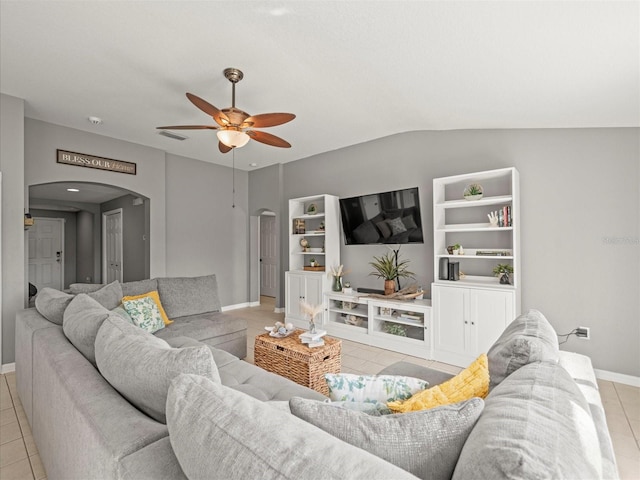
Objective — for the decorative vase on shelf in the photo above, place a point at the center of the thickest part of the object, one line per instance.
(337, 284)
(389, 287)
(504, 279)
(473, 192)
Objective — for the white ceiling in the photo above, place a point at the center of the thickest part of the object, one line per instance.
(59, 198)
(351, 71)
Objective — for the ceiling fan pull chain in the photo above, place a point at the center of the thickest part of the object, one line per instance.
(233, 179)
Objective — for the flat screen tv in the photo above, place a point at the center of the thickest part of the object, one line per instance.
(389, 217)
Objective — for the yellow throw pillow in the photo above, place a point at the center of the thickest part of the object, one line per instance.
(156, 298)
(473, 381)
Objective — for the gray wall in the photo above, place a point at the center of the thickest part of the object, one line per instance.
(206, 234)
(201, 233)
(85, 252)
(261, 200)
(70, 244)
(14, 264)
(41, 141)
(134, 244)
(579, 209)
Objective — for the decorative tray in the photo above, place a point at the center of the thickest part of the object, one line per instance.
(278, 335)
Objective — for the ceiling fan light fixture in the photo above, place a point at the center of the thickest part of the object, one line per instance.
(233, 138)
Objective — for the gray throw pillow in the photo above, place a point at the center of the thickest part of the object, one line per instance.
(535, 424)
(182, 296)
(141, 366)
(409, 222)
(396, 225)
(81, 321)
(425, 443)
(217, 432)
(51, 304)
(384, 229)
(529, 338)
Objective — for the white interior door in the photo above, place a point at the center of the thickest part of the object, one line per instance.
(112, 246)
(268, 256)
(45, 253)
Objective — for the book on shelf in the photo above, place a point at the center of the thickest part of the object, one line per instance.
(308, 337)
(493, 253)
(504, 217)
(410, 316)
(316, 343)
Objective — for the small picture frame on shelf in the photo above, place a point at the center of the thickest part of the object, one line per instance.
(298, 226)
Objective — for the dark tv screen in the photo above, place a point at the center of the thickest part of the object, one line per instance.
(389, 217)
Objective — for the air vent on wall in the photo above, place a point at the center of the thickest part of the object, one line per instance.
(175, 136)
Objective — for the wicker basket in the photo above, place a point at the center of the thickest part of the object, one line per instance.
(290, 358)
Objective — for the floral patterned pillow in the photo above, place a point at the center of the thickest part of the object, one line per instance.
(145, 313)
(347, 387)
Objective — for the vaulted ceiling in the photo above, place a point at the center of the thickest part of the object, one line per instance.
(351, 71)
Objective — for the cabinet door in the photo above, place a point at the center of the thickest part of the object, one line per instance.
(313, 290)
(449, 317)
(490, 311)
(294, 292)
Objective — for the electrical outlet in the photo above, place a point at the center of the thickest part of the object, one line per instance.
(583, 332)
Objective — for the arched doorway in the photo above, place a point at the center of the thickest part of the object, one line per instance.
(80, 206)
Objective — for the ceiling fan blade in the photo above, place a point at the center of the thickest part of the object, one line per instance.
(220, 118)
(223, 148)
(268, 120)
(267, 138)
(188, 127)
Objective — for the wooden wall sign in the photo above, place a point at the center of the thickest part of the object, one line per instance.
(90, 161)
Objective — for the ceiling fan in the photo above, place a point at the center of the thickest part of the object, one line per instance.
(235, 127)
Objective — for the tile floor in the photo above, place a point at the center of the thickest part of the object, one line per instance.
(19, 459)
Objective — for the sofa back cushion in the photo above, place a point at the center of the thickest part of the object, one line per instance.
(529, 338)
(535, 424)
(81, 321)
(139, 287)
(141, 366)
(425, 443)
(52, 303)
(182, 296)
(218, 432)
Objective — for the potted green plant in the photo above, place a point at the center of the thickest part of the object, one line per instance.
(456, 249)
(502, 270)
(388, 266)
(395, 329)
(473, 192)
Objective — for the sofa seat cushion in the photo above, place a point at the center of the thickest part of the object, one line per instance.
(184, 296)
(431, 376)
(141, 366)
(425, 443)
(258, 383)
(529, 338)
(216, 432)
(535, 424)
(249, 379)
(203, 326)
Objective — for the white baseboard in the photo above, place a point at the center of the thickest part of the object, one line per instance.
(254, 304)
(617, 377)
(226, 308)
(8, 368)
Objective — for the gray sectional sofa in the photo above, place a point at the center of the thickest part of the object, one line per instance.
(103, 416)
